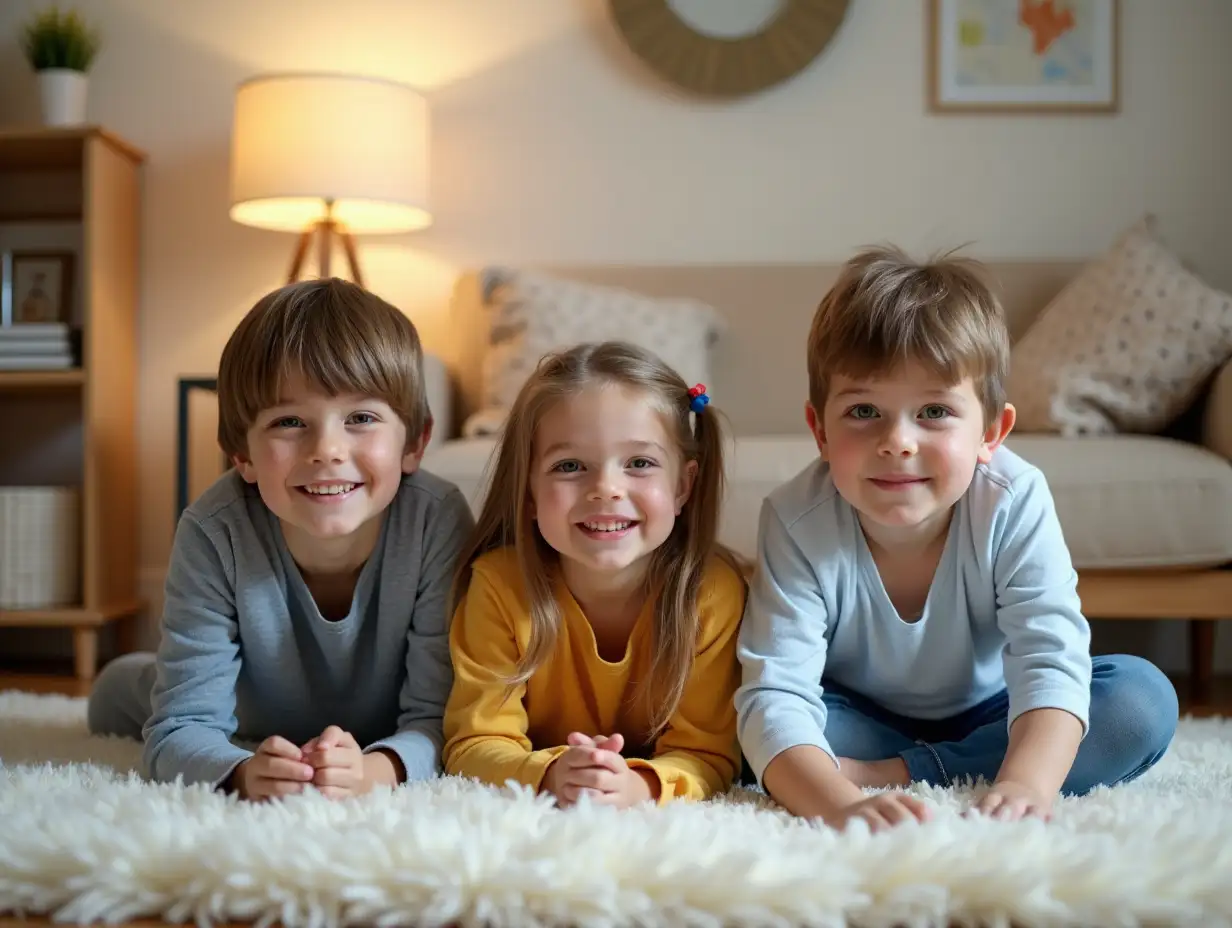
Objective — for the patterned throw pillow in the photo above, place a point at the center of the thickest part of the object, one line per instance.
(1124, 347)
(533, 314)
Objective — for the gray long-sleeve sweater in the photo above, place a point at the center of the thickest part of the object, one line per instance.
(246, 654)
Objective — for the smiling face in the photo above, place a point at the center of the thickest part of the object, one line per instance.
(327, 466)
(903, 447)
(607, 481)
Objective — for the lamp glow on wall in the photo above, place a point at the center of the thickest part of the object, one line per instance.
(329, 155)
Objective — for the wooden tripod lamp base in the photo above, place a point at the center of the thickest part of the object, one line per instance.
(324, 232)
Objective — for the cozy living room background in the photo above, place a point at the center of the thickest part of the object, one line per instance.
(551, 146)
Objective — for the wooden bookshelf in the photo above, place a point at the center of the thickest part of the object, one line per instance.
(90, 178)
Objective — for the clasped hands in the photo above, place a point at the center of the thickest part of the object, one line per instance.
(593, 767)
(332, 762)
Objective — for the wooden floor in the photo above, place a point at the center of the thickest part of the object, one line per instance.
(42, 682)
(50, 681)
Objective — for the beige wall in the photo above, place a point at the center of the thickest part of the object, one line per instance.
(550, 145)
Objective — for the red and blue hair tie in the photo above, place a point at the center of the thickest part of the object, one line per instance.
(698, 398)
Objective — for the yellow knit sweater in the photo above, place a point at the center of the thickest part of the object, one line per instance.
(497, 733)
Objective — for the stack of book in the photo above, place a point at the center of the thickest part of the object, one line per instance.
(36, 346)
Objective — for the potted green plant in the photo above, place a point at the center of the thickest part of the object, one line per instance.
(61, 47)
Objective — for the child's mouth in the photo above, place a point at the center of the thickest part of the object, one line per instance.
(607, 529)
(897, 482)
(328, 492)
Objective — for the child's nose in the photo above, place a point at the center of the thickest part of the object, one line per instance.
(608, 485)
(899, 439)
(327, 445)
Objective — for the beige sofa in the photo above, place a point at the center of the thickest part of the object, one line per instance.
(1148, 518)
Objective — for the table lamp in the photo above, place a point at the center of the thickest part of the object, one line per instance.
(329, 155)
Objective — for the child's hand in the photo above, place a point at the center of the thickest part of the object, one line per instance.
(277, 769)
(617, 783)
(595, 768)
(883, 811)
(614, 742)
(563, 779)
(337, 763)
(1009, 801)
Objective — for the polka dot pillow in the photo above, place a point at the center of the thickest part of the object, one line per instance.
(533, 314)
(1124, 347)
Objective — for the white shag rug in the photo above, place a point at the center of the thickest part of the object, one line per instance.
(84, 839)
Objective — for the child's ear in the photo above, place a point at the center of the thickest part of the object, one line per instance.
(817, 427)
(688, 476)
(243, 466)
(997, 432)
(414, 455)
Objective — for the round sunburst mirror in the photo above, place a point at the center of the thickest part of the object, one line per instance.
(727, 48)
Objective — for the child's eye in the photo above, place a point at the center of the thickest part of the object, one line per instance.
(362, 418)
(642, 463)
(288, 422)
(934, 411)
(863, 411)
(566, 467)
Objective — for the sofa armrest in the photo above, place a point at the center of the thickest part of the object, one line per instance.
(1217, 424)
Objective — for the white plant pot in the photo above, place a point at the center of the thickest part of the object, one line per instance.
(64, 96)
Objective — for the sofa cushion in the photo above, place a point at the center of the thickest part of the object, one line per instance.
(756, 464)
(464, 462)
(1125, 347)
(1131, 501)
(1124, 501)
(533, 314)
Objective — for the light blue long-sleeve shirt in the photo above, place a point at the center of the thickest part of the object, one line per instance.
(246, 654)
(1002, 613)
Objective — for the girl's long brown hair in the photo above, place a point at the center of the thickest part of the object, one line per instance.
(676, 567)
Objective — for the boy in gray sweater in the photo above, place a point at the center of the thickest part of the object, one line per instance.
(306, 598)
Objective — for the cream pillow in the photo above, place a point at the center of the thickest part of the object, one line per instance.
(1124, 347)
(532, 314)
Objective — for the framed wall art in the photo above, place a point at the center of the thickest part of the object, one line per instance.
(36, 286)
(1023, 56)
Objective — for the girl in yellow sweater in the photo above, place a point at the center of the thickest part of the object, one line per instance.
(594, 643)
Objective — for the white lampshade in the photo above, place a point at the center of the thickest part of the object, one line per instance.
(308, 146)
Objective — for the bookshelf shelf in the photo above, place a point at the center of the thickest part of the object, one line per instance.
(15, 381)
(84, 623)
(66, 615)
(90, 178)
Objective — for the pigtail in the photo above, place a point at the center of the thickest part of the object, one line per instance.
(702, 511)
(681, 563)
(705, 504)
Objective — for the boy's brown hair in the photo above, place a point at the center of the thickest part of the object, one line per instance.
(885, 309)
(339, 337)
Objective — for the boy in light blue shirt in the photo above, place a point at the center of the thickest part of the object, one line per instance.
(914, 614)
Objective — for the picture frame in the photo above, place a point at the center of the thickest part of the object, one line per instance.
(36, 287)
(1023, 56)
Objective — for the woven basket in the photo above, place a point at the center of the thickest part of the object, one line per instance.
(39, 547)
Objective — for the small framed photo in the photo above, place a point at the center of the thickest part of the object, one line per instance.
(37, 287)
(1023, 56)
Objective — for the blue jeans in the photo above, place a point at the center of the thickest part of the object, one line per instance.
(1132, 720)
